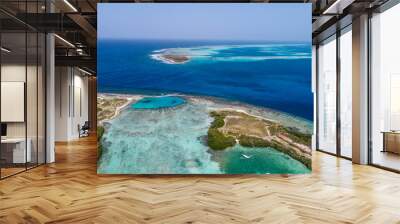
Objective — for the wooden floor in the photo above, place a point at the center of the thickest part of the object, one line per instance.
(5, 172)
(387, 159)
(70, 191)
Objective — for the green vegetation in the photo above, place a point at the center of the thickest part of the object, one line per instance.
(298, 136)
(248, 141)
(215, 139)
(218, 120)
(100, 132)
(219, 140)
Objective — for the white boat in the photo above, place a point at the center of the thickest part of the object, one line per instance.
(246, 156)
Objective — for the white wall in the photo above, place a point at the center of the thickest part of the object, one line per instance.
(33, 126)
(71, 102)
(17, 73)
(12, 73)
(61, 103)
(80, 105)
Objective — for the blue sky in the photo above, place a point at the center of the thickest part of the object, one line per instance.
(199, 21)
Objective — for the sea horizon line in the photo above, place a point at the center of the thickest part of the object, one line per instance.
(205, 40)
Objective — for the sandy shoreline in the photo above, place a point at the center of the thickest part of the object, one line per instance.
(130, 99)
(222, 104)
(117, 103)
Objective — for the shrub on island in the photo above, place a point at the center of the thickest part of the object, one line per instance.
(298, 136)
(100, 132)
(215, 139)
(218, 120)
(248, 141)
(218, 141)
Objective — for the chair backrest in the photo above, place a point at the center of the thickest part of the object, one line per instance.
(86, 125)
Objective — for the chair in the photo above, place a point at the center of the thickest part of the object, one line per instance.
(84, 130)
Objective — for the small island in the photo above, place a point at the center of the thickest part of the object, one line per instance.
(231, 127)
(170, 57)
(176, 59)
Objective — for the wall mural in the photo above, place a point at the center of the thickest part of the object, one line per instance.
(204, 88)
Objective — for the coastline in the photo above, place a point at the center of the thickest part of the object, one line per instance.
(217, 103)
(176, 139)
(232, 127)
(244, 136)
(265, 113)
(130, 99)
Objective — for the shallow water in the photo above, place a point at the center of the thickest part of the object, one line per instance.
(243, 160)
(269, 75)
(158, 102)
(172, 141)
(237, 53)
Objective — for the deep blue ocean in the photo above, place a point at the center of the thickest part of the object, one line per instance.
(126, 66)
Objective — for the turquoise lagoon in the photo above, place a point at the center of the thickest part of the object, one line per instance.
(158, 102)
(235, 53)
(243, 160)
(169, 137)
